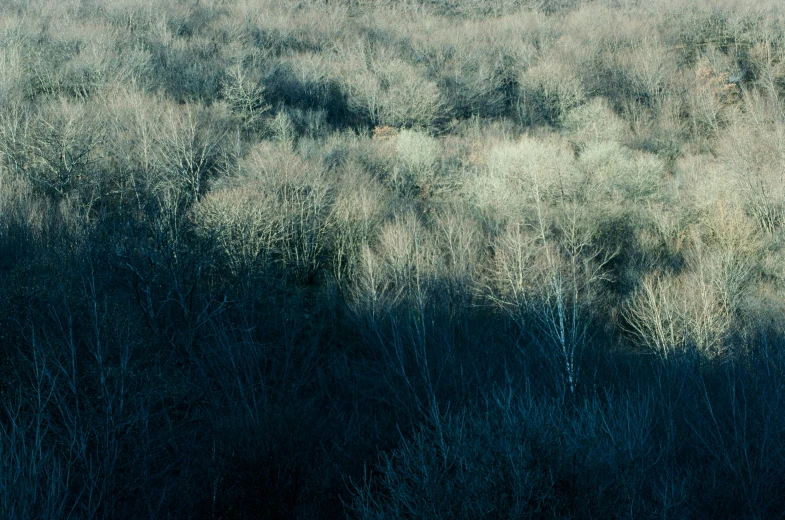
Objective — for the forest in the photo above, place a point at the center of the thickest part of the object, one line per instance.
(394, 259)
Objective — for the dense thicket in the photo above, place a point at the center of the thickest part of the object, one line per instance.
(396, 259)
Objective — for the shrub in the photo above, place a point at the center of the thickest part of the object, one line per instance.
(477, 73)
(355, 218)
(391, 92)
(284, 202)
(621, 173)
(592, 123)
(190, 70)
(11, 72)
(712, 97)
(240, 220)
(767, 68)
(517, 174)
(618, 55)
(548, 91)
(753, 157)
(245, 98)
(309, 81)
(104, 59)
(692, 312)
(189, 149)
(410, 260)
(460, 242)
(371, 294)
(417, 169)
(649, 68)
(62, 156)
(409, 99)
(283, 128)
